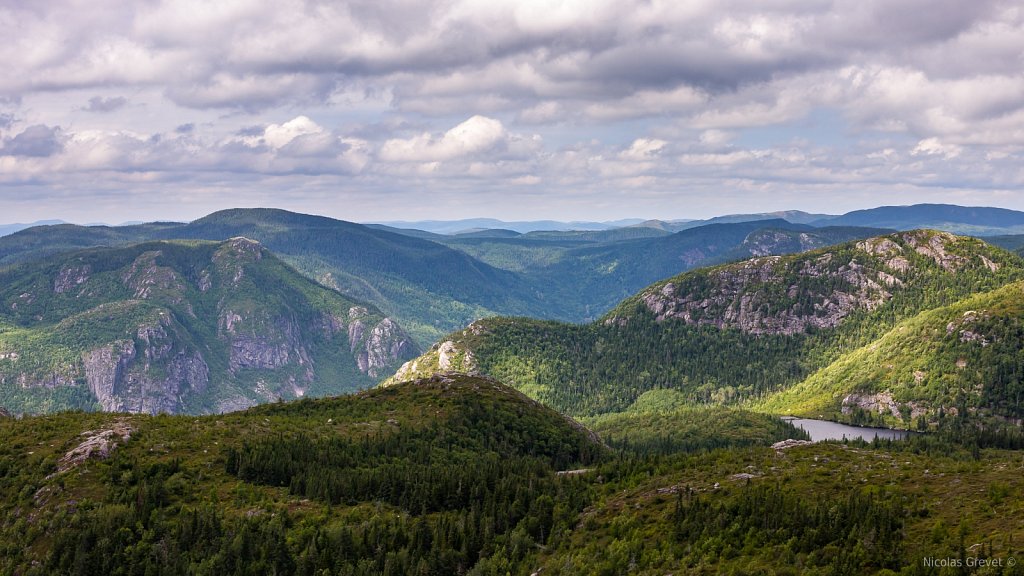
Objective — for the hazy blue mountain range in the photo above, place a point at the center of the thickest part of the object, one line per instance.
(976, 221)
(470, 224)
(792, 216)
(6, 229)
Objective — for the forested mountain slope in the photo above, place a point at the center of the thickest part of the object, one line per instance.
(965, 357)
(729, 333)
(427, 287)
(589, 280)
(182, 327)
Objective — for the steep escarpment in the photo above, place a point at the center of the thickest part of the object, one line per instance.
(732, 333)
(789, 295)
(182, 327)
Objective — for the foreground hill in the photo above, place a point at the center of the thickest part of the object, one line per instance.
(729, 333)
(432, 476)
(181, 327)
(463, 475)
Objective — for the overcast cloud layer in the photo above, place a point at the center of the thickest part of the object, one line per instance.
(381, 109)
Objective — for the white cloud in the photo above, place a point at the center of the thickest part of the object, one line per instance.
(279, 135)
(644, 149)
(476, 135)
(528, 97)
(934, 147)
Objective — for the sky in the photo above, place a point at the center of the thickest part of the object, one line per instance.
(376, 110)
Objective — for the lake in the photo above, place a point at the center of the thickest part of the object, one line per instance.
(825, 430)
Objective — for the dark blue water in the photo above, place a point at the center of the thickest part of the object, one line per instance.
(825, 430)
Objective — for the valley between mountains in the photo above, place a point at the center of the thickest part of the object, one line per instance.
(260, 391)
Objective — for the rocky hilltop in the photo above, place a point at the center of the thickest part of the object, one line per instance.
(182, 327)
(789, 295)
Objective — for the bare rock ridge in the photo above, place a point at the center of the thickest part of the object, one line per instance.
(772, 294)
(194, 327)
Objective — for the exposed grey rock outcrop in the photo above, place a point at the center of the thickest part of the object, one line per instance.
(768, 295)
(98, 445)
(150, 375)
(386, 344)
(104, 370)
(785, 444)
(737, 302)
(259, 343)
(146, 278)
(70, 277)
(882, 403)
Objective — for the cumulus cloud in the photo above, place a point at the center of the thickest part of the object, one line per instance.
(34, 141)
(101, 104)
(278, 136)
(570, 97)
(934, 147)
(476, 135)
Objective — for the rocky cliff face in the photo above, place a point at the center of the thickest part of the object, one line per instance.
(447, 356)
(386, 344)
(789, 295)
(152, 373)
(757, 298)
(167, 327)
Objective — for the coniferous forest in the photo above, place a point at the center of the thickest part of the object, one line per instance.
(463, 475)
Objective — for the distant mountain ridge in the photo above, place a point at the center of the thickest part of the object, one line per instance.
(951, 218)
(470, 224)
(6, 229)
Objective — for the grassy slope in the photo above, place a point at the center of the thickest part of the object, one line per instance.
(966, 355)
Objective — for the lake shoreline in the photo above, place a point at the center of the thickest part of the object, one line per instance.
(821, 430)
